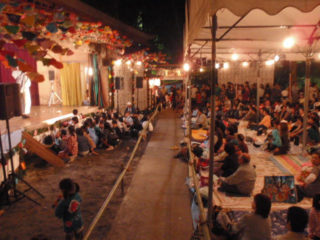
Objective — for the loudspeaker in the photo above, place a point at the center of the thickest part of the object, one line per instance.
(117, 83)
(51, 75)
(139, 82)
(10, 105)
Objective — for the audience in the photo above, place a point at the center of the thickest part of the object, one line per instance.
(314, 218)
(297, 220)
(256, 225)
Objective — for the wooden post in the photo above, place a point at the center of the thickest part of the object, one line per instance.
(213, 118)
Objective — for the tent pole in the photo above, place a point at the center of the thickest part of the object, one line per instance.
(212, 119)
(258, 85)
(188, 94)
(290, 83)
(306, 99)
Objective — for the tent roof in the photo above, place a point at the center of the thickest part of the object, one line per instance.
(258, 30)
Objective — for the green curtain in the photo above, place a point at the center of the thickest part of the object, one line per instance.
(97, 88)
(71, 84)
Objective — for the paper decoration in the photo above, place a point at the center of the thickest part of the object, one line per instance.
(13, 18)
(30, 36)
(35, 77)
(20, 42)
(29, 20)
(12, 29)
(25, 67)
(12, 62)
(57, 49)
(52, 27)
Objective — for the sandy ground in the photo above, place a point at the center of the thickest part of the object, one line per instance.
(95, 175)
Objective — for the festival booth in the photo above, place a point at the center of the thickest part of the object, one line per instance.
(254, 35)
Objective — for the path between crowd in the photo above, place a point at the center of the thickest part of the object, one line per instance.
(157, 204)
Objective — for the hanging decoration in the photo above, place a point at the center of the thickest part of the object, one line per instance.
(149, 60)
(28, 26)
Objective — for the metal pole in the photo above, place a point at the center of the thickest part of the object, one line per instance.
(188, 96)
(258, 85)
(290, 83)
(213, 118)
(306, 100)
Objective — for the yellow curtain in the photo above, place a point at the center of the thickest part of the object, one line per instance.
(71, 84)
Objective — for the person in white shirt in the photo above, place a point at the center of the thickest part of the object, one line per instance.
(25, 83)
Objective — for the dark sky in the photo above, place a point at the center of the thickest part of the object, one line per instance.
(162, 18)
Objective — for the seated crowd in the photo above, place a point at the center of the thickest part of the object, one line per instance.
(279, 123)
(103, 130)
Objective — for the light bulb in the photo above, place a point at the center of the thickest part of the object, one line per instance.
(235, 57)
(118, 62)
(288, 42)
(245, 64)
(226, 65)
(186, 67)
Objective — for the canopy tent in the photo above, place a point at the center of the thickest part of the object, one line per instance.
(247, 28)
(255, 30)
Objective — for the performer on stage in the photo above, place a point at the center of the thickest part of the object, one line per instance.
(25, 84)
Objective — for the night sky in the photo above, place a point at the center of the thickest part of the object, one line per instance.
(162, 18)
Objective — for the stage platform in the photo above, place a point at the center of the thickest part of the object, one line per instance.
(42, 116)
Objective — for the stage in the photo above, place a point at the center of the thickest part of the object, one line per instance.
(42, 116)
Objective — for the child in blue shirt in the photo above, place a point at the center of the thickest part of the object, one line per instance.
(69, 209)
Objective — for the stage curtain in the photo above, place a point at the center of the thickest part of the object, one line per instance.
(5, 73)
(71, 84)
(96, 83)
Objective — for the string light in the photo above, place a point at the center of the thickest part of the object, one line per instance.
(186, 67)
(118, 62)
(235, 57)
(288, 42)
(245, 64)
(269, 62)
(90, 71)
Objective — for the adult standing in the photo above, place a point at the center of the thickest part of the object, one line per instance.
(25, 83)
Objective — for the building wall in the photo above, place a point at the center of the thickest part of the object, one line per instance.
(125, 94)
(239, 75)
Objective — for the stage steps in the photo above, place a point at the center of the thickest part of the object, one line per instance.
(41, 151)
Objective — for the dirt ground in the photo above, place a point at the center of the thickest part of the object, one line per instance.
(95, 175)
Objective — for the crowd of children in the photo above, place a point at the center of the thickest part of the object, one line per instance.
(102, 130)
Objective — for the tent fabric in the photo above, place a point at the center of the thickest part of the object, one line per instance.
(249, 37)
(71, 84)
